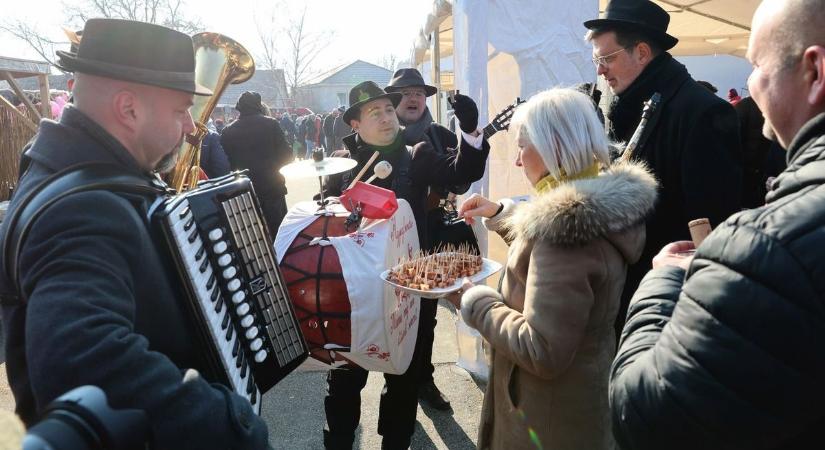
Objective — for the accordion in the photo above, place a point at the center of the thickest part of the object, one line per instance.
(223, 253)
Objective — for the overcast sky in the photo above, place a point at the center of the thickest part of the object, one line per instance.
(364, 29)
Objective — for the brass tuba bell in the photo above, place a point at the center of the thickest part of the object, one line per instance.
(219, 62)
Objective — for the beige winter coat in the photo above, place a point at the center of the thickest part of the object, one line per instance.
(551, 327)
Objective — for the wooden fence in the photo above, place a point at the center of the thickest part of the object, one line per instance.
(14, 134)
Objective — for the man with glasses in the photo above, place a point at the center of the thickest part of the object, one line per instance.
(419, 126)
(691, 140)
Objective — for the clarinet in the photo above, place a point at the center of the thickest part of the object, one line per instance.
(647, 111)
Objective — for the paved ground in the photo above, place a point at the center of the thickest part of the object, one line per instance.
(294, 408)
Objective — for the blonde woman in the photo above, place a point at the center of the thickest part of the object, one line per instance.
(551, 326)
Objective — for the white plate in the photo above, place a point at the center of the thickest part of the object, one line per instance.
(488, 268)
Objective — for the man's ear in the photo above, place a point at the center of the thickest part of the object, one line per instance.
(354, 124)
(126, 109)
(813, 63)
(645, 52)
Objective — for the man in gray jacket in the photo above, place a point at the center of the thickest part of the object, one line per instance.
(725, 349)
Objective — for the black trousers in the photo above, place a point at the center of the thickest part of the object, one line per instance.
(426, 337)
(396, 411)
(274, 209)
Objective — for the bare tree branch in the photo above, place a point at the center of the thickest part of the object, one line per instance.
(23, 31)
(388, 61)
(169, 13)
(289, 45)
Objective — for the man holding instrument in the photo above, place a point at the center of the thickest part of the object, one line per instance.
(378, 137)
(419, 126)
(91, 301)
(691, 140)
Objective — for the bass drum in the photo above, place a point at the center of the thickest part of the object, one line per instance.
(315, 280)
(348, 314)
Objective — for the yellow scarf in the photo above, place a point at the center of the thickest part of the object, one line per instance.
(550, 182)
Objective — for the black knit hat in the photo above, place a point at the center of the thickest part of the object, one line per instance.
(135, 51)
(249, 102)
(640, 15)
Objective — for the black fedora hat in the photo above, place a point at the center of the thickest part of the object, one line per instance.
(133, 51)
(407, 78)
(364, 93)
(641, 15)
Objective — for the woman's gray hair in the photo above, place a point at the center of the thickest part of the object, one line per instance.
(563, 127)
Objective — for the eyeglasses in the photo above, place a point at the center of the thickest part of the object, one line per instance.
(413, 93)
(606, 59)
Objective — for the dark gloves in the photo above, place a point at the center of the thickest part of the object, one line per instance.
(466, 112)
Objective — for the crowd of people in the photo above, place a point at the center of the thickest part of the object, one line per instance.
(610, 328)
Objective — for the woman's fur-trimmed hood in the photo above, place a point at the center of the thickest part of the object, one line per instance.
(579, 211)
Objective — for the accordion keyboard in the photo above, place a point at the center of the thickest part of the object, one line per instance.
(236, 290)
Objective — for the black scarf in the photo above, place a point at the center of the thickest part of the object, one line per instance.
(664, 74)
(414, 132)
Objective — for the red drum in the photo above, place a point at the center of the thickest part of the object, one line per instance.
(348, 314)
(317, 288)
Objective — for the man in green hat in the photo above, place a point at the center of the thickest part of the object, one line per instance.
(372, 116)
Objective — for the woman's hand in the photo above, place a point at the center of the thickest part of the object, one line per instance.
(477, 206)
(455, 297)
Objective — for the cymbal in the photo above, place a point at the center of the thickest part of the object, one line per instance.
(310, 168)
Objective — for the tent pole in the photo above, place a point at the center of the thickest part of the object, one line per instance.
(436, 73)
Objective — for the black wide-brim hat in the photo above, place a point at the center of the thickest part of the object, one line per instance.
(403, 78)
(364, 93)
(138, 52)
(640, 15)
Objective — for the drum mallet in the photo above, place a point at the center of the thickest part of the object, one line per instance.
(382, 170)
(363, 170)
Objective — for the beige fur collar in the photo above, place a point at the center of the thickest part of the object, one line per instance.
(580, 210)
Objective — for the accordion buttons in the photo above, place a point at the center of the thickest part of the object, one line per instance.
(215, 234)
(229, 272)
(260, 356)
(220, 247)
(234, 284)
(238, 297)
(224, 260)
(251, 332)
(256, 345)
(242, 309)
(246, 322)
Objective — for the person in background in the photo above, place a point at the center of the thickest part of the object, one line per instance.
(257, 143)
(762, 158)
(213, 158)
(219, 125)
(724, 349)
(328, 127)
(340, 130)
(733, 96)
(550, 325)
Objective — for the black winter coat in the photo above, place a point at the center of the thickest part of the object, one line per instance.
(692, 149)
(256, 142)
(414, 171)
(731, 355)
(101, 309)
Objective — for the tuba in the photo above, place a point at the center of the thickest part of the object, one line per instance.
(219, 62)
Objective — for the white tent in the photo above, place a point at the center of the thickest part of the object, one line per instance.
(497, 50)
